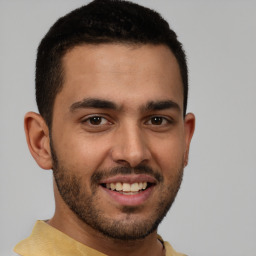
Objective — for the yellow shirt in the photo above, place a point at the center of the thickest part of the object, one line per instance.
(45, 240)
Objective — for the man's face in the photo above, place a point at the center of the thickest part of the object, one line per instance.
(119, 136)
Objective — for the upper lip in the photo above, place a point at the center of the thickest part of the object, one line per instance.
(133, 178)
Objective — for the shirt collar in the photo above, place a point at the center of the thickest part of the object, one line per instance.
(46, 240)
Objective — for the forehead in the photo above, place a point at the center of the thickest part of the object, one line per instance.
(121, 73)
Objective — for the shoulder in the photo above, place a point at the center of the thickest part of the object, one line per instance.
(14, 254)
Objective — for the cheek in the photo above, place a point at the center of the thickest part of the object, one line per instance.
(169, 154)
(81, 155)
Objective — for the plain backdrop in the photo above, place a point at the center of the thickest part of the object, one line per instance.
(215, 211)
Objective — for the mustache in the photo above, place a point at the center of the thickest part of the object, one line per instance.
(125, 170)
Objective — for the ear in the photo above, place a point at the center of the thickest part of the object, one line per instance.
(38, 140)
(189, 128)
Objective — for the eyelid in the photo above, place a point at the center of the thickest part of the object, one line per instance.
(103, 116)
(169, 120)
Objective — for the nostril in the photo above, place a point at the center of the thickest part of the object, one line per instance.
(124, 163)
(130, 150)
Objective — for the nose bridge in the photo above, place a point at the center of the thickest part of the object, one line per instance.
(130, 145)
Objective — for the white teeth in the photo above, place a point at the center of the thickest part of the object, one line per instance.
(134, 187)
(112, 186)
(126, 187)
(119, 186)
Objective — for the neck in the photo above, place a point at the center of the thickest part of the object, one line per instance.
(67, 222)
(86, 235)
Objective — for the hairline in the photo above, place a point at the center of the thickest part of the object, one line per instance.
(109, 42)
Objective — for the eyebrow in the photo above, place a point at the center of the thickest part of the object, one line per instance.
(161, 105)
(106, 104)
(93, 103)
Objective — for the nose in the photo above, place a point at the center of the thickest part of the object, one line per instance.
(130, 146)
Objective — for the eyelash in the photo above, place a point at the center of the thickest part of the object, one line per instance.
(164, 121)
(90, 118)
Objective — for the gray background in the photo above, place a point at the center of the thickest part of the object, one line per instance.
(215, 212)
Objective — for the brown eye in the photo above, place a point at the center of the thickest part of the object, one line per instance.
(96, 120)
(157, 120)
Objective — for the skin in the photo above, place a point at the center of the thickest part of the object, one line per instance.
(130, 77)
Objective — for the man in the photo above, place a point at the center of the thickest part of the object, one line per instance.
(111, 89)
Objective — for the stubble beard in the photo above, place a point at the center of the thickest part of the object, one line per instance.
(87, 209)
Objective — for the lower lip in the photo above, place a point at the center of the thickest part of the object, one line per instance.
(129, 200)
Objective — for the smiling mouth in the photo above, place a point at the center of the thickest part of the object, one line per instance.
(127, 188)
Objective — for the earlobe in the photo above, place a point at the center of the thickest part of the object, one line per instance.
(189, 126)
(38, 140)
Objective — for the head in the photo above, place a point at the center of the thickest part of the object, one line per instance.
(100, 22)
(111, 88)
